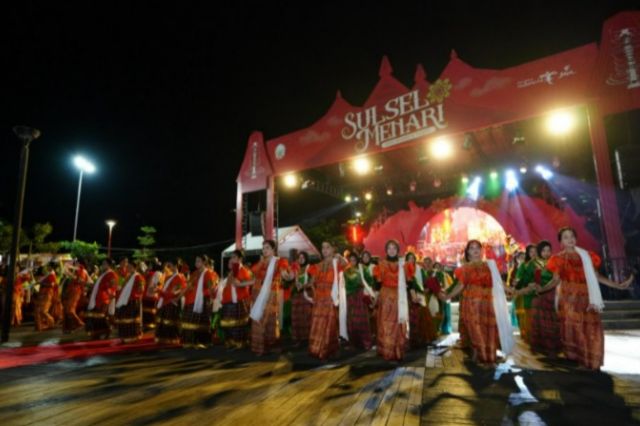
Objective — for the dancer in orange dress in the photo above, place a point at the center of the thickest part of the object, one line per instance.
(393, 305)
(48, 286)
(267, 299)
(168, 306)
(22, 278)
(196, 315)
(77, 280)
(576, 278)
(97, 318)
(483, 307)
(328, 284)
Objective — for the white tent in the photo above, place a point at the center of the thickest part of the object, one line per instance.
(288, 237)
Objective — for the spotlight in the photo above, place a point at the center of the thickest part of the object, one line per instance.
(290, 180)
(356, 199)
(523, 169)
(560, 122)
(474, 189)
(441, 148)
(358, 214)
(347, 199)
(468, 141)
(368, 196)
(465, 180)
(362, 166)
(389, 191)
(511, 181)
(544, 172)
(494, 175)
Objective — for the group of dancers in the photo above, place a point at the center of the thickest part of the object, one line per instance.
(392, 304)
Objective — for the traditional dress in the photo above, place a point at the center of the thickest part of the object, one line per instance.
(97, 316)
(48, 286)
(545, 328)
(445, 281)
(580, 330)
(323, 336)
(358, 322)
(476, 310)
(392, 330)
(266, 315)
(524, 276)
(168, 314)
(129, 308)
(73, 291)
(21, 280)
(301, 303)
(196, 316)
(235, 305)
(153, 282)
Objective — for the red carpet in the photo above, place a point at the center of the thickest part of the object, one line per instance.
(18, 357)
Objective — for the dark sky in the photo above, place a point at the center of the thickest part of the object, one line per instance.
(163, 98)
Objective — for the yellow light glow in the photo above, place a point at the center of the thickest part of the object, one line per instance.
(368, 196)
(441, 148)
(347, 198)
(560, 122)
(362, 166)
(290, 180)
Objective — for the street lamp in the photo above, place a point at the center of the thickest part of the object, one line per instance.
(26, 135)
(85, 166)
(110, 223)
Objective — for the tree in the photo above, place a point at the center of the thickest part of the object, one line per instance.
(37, 236)
(90, 252)
(146, 240)
(326, 230)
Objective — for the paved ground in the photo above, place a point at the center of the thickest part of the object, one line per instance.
(177, 386)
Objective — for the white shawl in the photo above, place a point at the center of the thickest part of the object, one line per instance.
(94, 292)
(257, 310)
(199, 302)
(503, 320)
(403, 303)
(339, 296)
(367, 289)
(125, 294)
(595, 296)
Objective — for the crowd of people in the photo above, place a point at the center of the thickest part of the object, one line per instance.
(392, 303)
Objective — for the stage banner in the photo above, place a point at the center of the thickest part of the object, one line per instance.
(462, 99)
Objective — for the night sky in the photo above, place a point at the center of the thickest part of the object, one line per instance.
(163, 98)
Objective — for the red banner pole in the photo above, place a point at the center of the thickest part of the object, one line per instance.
(239, 214)
(610, 216)
(270, 217)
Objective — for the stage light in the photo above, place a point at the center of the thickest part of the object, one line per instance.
(494, 175)
(358, 214)
(362, 165)
(356, 199)
(523, 169)
(441, 148)
(290, 180)
(347, 199)
(368, 196)
(544, 172)
(389, 191)
(474, 189)
(511, 181)
(465, 180)
(560, 122)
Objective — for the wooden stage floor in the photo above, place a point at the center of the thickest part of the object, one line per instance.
(212, 386)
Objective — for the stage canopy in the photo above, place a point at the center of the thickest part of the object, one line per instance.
(484, 114)
(289, 238)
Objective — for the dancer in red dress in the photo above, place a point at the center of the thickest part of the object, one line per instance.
(576, 278)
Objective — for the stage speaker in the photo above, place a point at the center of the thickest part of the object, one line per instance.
(255, 223)
(627, 158)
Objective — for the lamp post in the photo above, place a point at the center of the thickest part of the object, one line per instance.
(85, 166)
(26, 135)
(110, 223)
